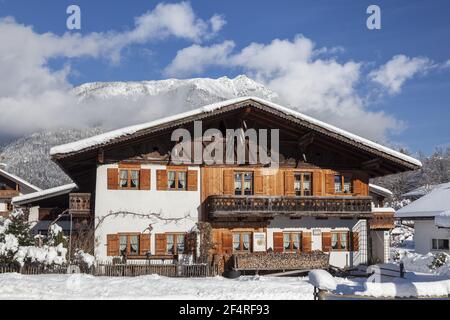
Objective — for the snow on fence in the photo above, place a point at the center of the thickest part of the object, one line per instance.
(124, 270)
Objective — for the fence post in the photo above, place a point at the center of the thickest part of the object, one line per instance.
(402, 270)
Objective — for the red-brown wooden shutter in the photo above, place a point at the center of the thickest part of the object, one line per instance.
(144, 244)
(113, 178)
(161, 244)
(112, 245)
(357, 184)
(326, 241)
(278, 245)
(227, 242)
(329, 183)
(228, 182)
(355, 241)
(306, 241)
(192, 184)
(289, 183)
(144, 179)
(161, 180)
(258, 182)
(317, 183)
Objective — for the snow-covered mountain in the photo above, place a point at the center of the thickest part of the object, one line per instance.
(28, 157)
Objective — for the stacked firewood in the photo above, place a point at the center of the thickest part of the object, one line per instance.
(283, 261)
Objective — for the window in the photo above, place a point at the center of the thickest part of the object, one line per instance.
(339, 241)
(175, 243)
(241, 241)
(129, 179)
(303, 183)
(292, 241)
(176, 180)
(342, 184)
(243, 183)
(128, 244)
(440, 244)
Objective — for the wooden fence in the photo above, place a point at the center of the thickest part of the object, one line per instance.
(124, 270)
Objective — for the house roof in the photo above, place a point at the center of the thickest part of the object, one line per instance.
(44, 194)
(113, 136)
(27, 187)
(380, 190)
(429, 206)
(421, 191)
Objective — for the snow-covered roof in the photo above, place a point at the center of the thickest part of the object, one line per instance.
(107, 137)
(18, 180)
(430, 205)
(379, 190)
(44, 194)
(421, 191)
(442, 220)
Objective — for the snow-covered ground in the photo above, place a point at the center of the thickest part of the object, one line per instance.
(79, 286)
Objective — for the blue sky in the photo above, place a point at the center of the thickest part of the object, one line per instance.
(411, 28)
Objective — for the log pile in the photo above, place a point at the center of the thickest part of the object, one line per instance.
(283, 261)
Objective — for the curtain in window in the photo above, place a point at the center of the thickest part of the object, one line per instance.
(123, 178)
(344, 241)
(337, 183)
(134, 178)
(298, 184)
(307, 184)
(171, 179)
(286, 241)
(347, 184)
(246, 242)
(180, 243)
(123, 245)
(181, 180)
(238, 184)
(236, 242)
(334, 240)
(296, 241)
(248, 180)
(170, 246)
(134, 244)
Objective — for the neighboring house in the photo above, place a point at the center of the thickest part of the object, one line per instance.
(317, 199)
(12, 186)
(45, 206)
(420, 191)
(431, 216)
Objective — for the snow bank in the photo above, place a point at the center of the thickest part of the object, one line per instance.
(322, 279)
(443, 220)
(403, 288)
(84, 257)
(433, 263)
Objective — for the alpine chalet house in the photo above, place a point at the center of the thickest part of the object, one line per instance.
(315, 199)
(12, 186)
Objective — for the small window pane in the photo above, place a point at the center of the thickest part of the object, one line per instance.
(134, 244)
(343, 241)
(123, 178)
(180, 243)
(170, 244)
(334, 240)
(296, 241)
(297, 184)
(236, 242)
(238, 183)
(123, 245)
(246, 242)
(286, 241)
(347, 184)
(248, 183)
(434, 244)
(445, 244)
(134, 179)
(307, 184)
(171, 179)
(182, 180)
(337, 183)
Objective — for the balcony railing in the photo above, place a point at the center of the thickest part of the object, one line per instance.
(8, 194)
(382, 221)
(248, 206)
(80, 204)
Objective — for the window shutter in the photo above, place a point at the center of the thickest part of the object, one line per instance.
(227, 242)
(326, 241)
(289, 183)
(160, 239)
(228, 182)
(278, 242)
(112, 245)
(192, 180)
(113, 178)
(144, 244)
(144, 179)
(357, 185)
(317, 183)
(355, 241)
(258, 182)
(306, 241)
(161, 180)
(329, 183)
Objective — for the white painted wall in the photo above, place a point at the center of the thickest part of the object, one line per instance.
(380, 246)
(170, 204)
(424, 232)
(339, 259)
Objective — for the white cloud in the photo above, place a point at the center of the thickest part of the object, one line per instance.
(302, 75)
(34, 96)
(398, 70)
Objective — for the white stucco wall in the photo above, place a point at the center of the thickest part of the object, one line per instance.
(169, 204)
(339, 259)
(424, 232)
(380, 245)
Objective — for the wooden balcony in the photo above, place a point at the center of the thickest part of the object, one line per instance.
(270, 206)
(382, 221)
(80, 204)
(8, 194)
